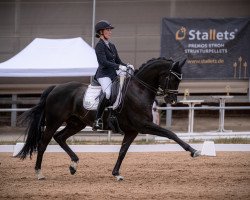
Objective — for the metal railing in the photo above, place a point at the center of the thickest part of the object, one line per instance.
(191, 116)
(191, 121)
(206, 108)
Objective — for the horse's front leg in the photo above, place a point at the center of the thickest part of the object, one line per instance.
(127, 140)
(153, 129)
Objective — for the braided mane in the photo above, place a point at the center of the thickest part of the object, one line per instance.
(150, 62)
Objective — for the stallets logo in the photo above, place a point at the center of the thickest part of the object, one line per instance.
(211, 34)
(180, 34)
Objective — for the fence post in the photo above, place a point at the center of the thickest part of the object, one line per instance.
(168, 117)
(248, 92)
(13, 113)
(109, 136)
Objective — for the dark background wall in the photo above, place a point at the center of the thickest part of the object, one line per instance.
(137, 22)
(136, 35)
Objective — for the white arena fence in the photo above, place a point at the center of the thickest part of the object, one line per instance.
(185, 136)
(155, 147)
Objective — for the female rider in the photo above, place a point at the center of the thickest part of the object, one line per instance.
(109, 66)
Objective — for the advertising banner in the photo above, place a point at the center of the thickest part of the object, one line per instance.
(214, 48)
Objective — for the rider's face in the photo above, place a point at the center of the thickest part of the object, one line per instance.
(107, 33)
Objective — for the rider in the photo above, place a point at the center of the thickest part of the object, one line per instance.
(110, 65)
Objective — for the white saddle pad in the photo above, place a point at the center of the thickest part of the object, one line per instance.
(91, 98)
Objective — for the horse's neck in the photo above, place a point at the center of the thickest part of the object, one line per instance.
(147, 81)
(146, 91)
(149, 77)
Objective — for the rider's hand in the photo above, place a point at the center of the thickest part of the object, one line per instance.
(131, 67)
(122, 67)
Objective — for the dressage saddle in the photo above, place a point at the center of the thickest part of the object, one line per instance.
(112, 121)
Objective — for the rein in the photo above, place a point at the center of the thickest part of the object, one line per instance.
(160, 91)
(153, 89)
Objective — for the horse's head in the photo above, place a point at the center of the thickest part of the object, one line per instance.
(161, 75)
(169, 82)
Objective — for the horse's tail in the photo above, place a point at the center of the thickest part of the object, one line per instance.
(35, 120)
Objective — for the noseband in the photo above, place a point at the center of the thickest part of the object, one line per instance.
(166, 89)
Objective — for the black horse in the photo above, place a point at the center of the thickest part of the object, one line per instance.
(63, 104)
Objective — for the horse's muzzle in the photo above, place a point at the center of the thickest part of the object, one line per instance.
(173, 102)
(171, 99)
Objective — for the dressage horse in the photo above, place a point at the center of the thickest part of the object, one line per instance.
(64, 104)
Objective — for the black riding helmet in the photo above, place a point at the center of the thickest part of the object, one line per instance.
(101, 25)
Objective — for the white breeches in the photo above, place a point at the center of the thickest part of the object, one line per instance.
(106, 84)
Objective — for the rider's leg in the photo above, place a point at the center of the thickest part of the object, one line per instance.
(105, 83)
(112, 120)
(98, 124)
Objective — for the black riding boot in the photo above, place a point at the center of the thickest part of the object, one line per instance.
(98, 123)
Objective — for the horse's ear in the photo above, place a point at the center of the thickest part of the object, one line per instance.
(175, 64)
(182, 63)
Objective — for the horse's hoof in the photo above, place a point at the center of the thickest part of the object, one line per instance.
(119, 178)
(39, 174)
(73, 167)
(72, 170)
(41, 177)
(196, 153)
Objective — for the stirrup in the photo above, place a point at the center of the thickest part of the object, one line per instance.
(98, 124)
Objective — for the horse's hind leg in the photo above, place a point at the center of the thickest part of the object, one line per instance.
(73, 126)
(42, 145)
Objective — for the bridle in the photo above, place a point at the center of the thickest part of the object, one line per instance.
(159, 91)
(165, 91)
(167, 82)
